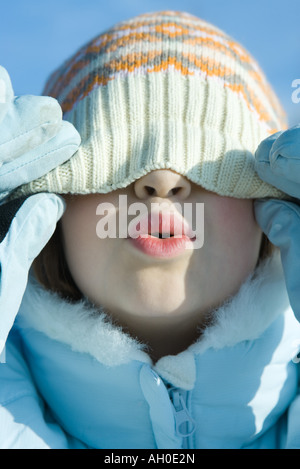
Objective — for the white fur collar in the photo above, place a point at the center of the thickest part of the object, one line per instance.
(259, 301)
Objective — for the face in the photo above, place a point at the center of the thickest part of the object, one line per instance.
(125, 277)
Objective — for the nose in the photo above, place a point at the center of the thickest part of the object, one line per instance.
(162, 183)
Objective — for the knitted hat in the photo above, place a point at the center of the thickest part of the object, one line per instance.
(163, 90)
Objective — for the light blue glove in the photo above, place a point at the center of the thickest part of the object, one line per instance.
(33, 140)
(33, 137)
(278, 163)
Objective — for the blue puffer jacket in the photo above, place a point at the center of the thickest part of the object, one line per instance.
(74, 380)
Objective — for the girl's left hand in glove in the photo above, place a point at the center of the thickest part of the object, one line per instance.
(278, 163)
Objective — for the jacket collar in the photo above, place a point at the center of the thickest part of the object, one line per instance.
(86, 329)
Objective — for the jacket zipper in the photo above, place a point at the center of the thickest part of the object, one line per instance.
(185, 425)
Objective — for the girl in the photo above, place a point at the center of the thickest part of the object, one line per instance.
(149, 340)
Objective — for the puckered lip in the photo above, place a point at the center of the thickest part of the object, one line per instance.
(163, 225)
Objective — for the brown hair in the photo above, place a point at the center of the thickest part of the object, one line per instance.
(51, 268)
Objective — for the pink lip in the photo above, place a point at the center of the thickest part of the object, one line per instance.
(166, 224)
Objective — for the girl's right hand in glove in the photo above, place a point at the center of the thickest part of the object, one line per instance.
(33, 140)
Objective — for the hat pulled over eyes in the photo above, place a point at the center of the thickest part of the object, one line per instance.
(163, 90)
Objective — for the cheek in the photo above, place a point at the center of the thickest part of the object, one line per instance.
(89, 258)
(235, 216)
(77, 229)
(236, 233)
(80, 240)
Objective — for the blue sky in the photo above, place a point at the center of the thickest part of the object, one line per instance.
(36, 36)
